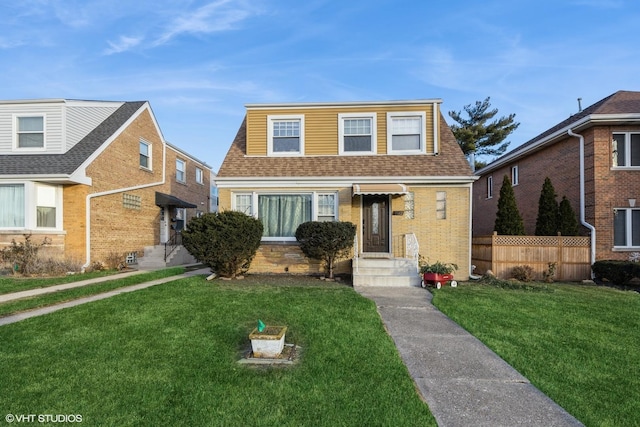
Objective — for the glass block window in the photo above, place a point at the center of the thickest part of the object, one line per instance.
(131, 201)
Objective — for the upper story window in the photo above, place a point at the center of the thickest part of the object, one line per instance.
(515, 178)
(406, 133)
(285, 135)
(626, 228)
(199, 176)
(145, 155)
(489, 186)
(626, 149)
(181, 167)
(357, 133)
(29, 132)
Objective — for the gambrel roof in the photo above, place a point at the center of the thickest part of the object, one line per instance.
(449, 162)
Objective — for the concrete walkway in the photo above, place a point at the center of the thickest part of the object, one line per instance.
(45, 310)
(463, 382)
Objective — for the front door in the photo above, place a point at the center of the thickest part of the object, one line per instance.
(375, 224)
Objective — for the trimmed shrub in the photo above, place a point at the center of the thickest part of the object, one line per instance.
(616, 272)
(547, 220)
(326, 241)
(508, 219)
(567, 221)
(224, 241)
(523, 273)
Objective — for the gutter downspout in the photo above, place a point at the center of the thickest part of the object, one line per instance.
(119, 190)
(582, 197)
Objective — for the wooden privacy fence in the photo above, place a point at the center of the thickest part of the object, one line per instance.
(501, 253)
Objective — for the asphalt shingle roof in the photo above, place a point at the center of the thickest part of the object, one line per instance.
(67, 163)
(450, 162)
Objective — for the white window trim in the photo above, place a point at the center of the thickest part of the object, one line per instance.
(184, 171)
(627, 151)
(199, 175)
(314, 206)
(149, 147)
(275, 118)
(628, 229)
(374, 140)
(31, 206)
(490, 187)
(423, 132)
(15, 146)
(515, 176)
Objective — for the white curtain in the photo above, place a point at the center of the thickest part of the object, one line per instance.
(12, 205)
(282, 214)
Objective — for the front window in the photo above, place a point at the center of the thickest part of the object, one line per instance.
(357, 133)
(406, 133)
(286, 135)
(626, 149)
(145, 155)
(626, 228)
(12, 204)
(45, 206)
(180, 170)
(281, 214)
(30, 132)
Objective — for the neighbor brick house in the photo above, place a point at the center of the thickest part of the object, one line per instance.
(95, 177)
(592, 158)
(393, 168)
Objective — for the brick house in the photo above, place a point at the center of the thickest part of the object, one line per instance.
(95, 177)
(392, 168)
(592, 158)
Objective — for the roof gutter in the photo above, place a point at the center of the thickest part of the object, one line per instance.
(582, 196)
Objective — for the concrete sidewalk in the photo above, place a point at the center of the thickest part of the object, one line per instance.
(463, 382)
(50, 309)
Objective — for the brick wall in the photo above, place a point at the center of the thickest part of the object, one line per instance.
(605, 188)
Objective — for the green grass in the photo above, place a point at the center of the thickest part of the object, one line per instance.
(580, 345)
(12, 307)
(9, 284)
(167, 355)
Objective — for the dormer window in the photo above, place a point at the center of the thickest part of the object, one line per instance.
(285, 135)
(357, 133)
(406, 133)
(29, 132)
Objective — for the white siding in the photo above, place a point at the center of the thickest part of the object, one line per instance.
(54, 131)
(83, 119)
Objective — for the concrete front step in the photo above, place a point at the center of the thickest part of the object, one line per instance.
(385, 272)
(154, 258)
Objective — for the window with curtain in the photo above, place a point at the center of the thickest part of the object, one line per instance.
(30, 132)
(626, 149)
(243, 203)
(281, 214)
(12, 206)
(326, 207)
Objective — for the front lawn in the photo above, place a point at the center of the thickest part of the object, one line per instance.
(580, 345)
(167, 355)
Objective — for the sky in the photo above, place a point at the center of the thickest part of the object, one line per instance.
(198, 62)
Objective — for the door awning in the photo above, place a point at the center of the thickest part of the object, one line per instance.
(167, 200)
(370, 189)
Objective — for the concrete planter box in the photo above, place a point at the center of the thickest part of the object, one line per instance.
(268, 343)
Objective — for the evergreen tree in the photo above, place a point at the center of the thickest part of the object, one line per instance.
(477, 134)
(508, 219)
(547, 220)
(567, 222)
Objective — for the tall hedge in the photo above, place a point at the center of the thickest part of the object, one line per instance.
(326, 241)
(567, 219)
(547, 220)
(508, 219)
(224, 241)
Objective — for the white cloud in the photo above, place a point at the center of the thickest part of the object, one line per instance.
(220, 15)
(123, 44)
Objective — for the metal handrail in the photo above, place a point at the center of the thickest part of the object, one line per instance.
(170, 245)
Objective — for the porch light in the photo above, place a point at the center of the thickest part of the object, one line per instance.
(632, 203)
